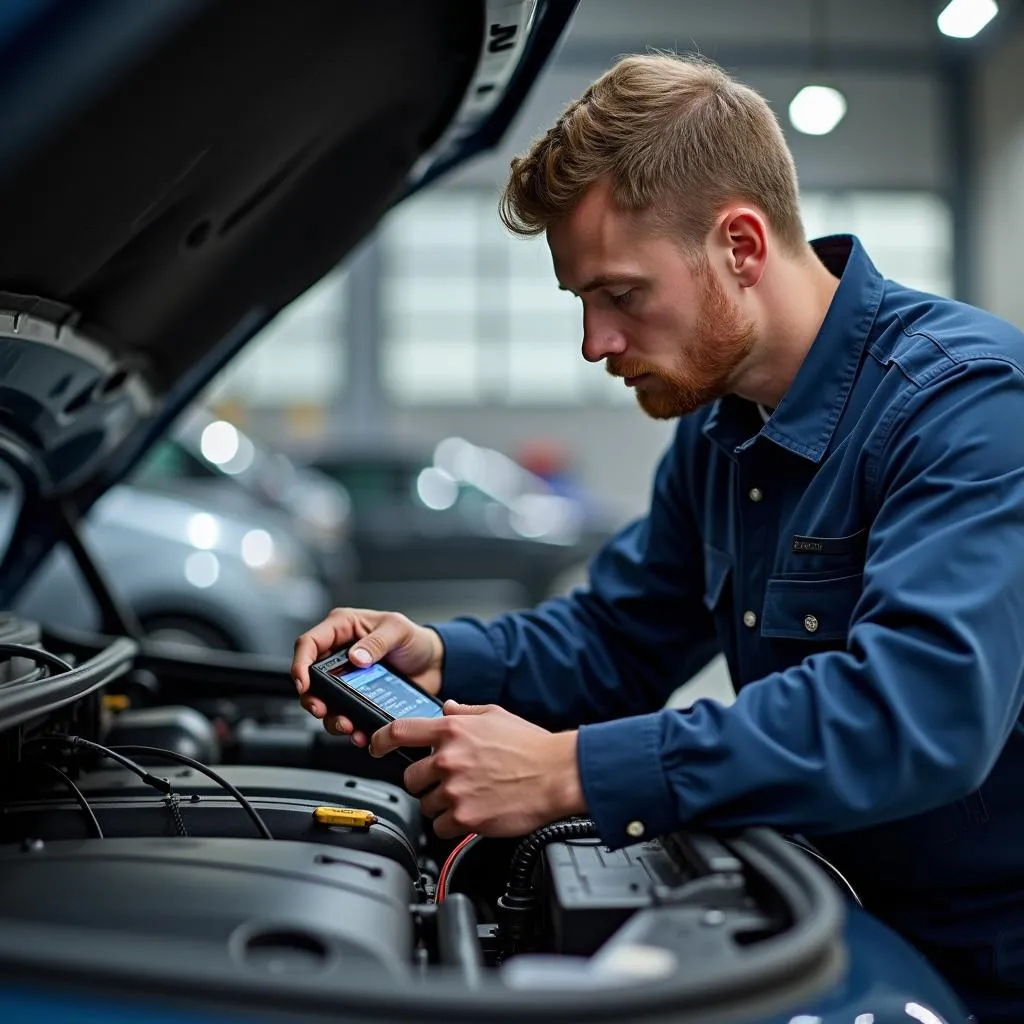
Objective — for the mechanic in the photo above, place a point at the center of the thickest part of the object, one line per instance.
(841, 512)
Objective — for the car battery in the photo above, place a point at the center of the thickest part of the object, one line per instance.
(590, 890)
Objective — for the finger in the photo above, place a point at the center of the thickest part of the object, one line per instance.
(337, 629)
(419, 777)
(314, 706)
(338, 725)
(407, 732)
(435, 803)
(452, 707)
(390, 632)
(360, 739)
(445, 827)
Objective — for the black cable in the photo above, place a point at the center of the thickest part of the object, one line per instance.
(162, 785)
(524, 859)
(78, 795)
(517, 905)
(40, 657)
(173, 755)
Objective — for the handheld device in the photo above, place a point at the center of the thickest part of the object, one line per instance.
(371, 697)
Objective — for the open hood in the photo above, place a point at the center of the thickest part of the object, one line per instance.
(174, 172)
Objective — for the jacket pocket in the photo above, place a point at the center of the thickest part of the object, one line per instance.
(816, 610)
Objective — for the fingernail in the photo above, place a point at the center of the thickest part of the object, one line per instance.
(359, 656)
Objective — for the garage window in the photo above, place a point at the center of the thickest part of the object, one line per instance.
(473, 315)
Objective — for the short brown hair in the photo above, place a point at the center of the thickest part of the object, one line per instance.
(666, 130)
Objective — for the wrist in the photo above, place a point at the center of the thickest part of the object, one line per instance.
(433, 677)
(565, 788)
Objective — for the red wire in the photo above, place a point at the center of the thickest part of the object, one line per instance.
(443, 877)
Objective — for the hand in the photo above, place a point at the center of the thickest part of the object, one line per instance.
(415, 650)
(491, 772)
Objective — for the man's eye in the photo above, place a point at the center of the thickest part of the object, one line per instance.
(622, 298)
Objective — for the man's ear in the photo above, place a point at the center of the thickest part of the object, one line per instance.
(741, 235)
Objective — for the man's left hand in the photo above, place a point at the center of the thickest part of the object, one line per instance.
(491, 772)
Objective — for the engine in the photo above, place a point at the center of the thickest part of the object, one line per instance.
(139, 830)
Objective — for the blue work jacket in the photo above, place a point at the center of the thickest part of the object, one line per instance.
(859, 560)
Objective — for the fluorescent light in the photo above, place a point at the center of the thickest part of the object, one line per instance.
(963, 19)
(817, 109)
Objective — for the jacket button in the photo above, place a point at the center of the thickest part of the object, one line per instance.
(755, 494)
(810, 624)
(635, 829)
(750, 619)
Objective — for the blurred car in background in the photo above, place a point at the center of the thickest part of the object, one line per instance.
(463, 515)
(190, 575)
(210, 461)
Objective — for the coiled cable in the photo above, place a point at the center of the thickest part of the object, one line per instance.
(516, 907)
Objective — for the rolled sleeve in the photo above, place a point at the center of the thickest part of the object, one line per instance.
(622, 772)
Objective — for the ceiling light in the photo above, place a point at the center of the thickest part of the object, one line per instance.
(963, 19)
(817, 109)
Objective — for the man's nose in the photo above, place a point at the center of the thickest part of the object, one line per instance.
(600, 339)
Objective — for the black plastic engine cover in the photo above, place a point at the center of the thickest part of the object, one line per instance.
(278, 908)
(590, 890)
(286, 800)
(388, 802)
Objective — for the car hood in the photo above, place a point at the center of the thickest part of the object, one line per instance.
(174, 172)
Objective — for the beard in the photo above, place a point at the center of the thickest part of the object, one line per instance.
(706, 368)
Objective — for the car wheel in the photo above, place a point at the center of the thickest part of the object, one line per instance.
(188, 632)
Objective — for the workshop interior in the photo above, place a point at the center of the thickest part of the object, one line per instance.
(266, 349)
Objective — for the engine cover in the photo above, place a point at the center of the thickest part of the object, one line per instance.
(285, 798)
(246, 904)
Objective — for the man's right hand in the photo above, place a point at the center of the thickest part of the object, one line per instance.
(414, 650)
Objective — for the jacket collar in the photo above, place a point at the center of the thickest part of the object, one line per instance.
(806, 418)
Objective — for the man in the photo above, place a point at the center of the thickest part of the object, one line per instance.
(841, 513)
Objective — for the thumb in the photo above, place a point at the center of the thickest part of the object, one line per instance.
(453, 707)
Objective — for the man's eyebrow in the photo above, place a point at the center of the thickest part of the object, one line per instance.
(606, 281)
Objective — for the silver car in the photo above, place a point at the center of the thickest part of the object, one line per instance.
(190, 574)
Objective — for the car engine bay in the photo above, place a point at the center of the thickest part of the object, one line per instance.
(168, 816)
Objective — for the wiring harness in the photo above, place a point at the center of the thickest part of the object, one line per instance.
(161, 785)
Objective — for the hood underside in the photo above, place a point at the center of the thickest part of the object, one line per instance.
(179, 187)
(231, 166)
